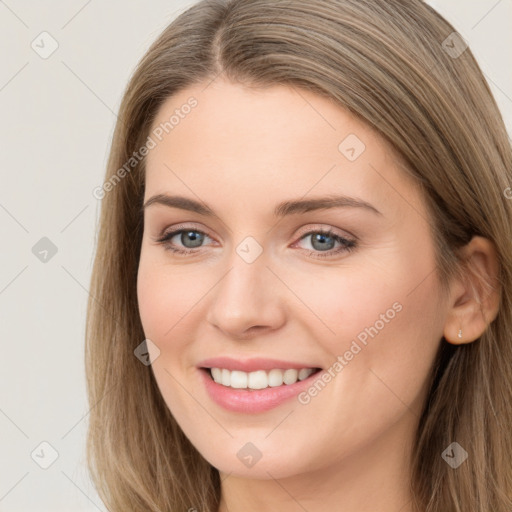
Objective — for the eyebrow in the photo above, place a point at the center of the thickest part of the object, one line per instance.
(281, 210)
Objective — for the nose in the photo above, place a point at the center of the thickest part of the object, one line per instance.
(247, 301)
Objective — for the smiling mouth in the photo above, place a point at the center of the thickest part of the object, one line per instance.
(259, 379)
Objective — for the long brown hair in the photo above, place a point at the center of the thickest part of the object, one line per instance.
(389, 63)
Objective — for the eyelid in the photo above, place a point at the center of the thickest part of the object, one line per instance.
(305, 230)
(326, 227)
(184, 226)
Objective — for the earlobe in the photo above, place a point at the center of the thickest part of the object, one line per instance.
(475, 299)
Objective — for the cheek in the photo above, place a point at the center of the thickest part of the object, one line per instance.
(152, 301)
(165, 296)
(164, 299)
(384, 321)
(387, 335)
(172, 308)
(382, 351)
(389, 303)
(340, 305)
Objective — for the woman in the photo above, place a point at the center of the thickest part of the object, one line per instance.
(301, 297)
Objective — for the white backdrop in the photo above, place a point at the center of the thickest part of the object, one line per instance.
(57, 118)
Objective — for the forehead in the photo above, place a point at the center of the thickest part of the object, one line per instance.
(269, 144)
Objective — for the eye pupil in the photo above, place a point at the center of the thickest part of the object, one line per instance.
(195, 237)
(321, 237)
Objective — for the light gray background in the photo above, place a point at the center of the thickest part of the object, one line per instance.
(57, 118)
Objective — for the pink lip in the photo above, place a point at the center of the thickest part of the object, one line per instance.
(253, 400)
(251, 365)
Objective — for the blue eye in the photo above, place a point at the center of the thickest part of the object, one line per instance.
(323, 242)
(193, 237)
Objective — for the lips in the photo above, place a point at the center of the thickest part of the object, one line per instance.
(249, 400)
(252, 401)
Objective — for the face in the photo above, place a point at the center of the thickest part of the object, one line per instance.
(273, 276)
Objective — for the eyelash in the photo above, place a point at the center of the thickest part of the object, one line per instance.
(346, 244)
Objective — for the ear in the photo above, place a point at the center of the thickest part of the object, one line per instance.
(475, 296)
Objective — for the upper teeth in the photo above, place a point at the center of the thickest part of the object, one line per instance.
(259, 379)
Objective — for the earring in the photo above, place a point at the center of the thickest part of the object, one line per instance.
(460, 333)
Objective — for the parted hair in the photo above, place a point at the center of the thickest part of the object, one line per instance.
(392, 64)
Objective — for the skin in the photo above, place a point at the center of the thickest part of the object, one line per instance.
(242, 151)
